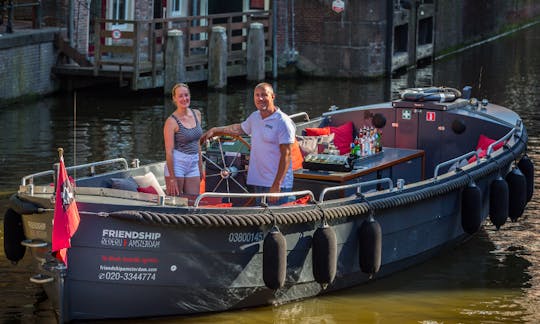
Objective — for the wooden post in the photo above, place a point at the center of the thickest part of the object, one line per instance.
(255, 52)
(175, 70)
(217, 58)
(136, 55)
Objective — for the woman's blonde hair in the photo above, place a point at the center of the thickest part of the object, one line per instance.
(178, 85)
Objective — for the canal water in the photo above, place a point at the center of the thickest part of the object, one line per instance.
(492, 278)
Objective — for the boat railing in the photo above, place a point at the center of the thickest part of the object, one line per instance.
(501, 140)
(357, 185)
(91, 166)
(454, 160)
(300, 114)
(475, 153)
(263, 196)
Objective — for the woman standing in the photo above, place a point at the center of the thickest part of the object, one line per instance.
(181, 132)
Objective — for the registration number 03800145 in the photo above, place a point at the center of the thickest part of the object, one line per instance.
(245, 237)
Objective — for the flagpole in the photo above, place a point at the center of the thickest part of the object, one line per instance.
(75, 133)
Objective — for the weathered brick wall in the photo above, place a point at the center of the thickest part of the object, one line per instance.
(25, 65)
(354, 42)
(346, 44)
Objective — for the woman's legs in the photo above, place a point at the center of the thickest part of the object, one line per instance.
(191, 185)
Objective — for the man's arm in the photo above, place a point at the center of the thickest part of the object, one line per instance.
(284, 162)
(234, 129)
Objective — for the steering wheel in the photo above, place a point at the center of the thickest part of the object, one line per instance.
(227, 167)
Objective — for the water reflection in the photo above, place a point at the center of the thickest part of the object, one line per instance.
(495, 277)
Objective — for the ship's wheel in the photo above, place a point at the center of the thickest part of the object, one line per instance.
(226, 164)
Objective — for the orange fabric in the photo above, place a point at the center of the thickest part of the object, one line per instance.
(300, 201)
(297, 157)
(202, 187)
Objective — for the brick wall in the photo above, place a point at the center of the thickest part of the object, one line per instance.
(354, 42)
(346, 44)
(25, 65)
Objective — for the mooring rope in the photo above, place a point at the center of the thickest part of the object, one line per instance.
(309, 213)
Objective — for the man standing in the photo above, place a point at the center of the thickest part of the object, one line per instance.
(272, 136)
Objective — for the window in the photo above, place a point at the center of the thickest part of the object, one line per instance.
(119, 9)
(178, 8)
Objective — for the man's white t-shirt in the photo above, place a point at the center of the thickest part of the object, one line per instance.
(266, 136)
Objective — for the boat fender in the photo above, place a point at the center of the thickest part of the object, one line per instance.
(378, 121)
(370, 246)
(498, 202)
(517, 188)
(324, 248)
(458, 126)
(22, 207)
(526, 167)
(13, 236)
(471, 208)
(274, 259)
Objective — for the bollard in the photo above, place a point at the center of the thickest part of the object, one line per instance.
(255, 53)
(175, 70)
(217, 58)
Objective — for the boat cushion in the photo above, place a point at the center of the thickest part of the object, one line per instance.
(483, 144)
(149, 179)
(343, 135)
(310, 144)
(317, 131)
(128, 184)
(148, 189)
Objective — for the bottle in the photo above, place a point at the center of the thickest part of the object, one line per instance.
(378, 147)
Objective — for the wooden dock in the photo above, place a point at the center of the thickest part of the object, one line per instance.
(135, 55)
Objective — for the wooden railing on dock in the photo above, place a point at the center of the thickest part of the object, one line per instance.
(136, 51)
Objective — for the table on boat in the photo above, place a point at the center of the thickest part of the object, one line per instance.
(393, 163)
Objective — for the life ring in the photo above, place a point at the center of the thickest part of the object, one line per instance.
(324, 256)
(274, 259)
(370, 246)
(440, 94)
(498, 201)
(471, 209)
(13, 236)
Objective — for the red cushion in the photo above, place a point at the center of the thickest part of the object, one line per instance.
(343, 137)
(317, 131)
(149, 190)
(484, 142)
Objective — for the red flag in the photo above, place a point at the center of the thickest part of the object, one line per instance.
(66, 215)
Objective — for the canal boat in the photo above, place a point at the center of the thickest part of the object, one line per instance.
(442, 164)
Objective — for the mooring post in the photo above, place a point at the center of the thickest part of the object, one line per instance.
(255, 52)
(217, 58)
(175, 70)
